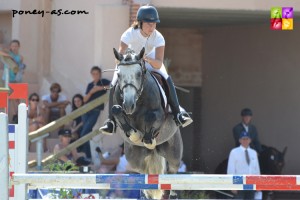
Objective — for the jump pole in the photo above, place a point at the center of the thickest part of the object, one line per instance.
(21, 147)
(164, 182)
(4, 180)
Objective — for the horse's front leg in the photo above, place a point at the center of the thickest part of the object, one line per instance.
(152, 123)
(123, 122)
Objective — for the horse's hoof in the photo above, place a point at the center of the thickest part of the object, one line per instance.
(135, 137)
(151, 146)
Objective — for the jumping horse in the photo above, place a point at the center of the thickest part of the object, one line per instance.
(153, 143)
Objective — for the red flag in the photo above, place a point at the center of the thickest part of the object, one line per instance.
(3, 100)
(19, 91)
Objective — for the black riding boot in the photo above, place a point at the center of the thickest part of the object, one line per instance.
(181, 118)
(110, 125)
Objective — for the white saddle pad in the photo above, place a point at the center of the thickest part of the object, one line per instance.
(162, 92)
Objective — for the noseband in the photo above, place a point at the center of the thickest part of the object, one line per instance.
(139, 90)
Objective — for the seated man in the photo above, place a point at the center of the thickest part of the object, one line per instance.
(54, 104)
(64, 141)
(109, 161)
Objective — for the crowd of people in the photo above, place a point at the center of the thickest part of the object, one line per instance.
(53, 106)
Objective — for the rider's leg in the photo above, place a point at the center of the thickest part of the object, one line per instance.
(181, 117)
(110, 124)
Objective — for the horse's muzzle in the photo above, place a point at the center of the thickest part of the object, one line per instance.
(129, 108)
(129, 100)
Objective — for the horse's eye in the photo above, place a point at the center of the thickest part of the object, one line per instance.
(119, 76)
(272, 157)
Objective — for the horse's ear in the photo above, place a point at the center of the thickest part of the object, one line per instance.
(118, 56)
(141, 54)
(284, 151)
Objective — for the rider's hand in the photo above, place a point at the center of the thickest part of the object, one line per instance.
(147, 59)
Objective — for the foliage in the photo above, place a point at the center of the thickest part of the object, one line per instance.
(62, 167)
(192, 194)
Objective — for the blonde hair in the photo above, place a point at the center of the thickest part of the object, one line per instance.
(136, 24)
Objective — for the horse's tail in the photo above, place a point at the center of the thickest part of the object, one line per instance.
(154, 164)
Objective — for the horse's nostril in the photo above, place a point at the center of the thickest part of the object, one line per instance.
(132, 107)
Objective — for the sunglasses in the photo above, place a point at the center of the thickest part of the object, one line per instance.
(34, 100)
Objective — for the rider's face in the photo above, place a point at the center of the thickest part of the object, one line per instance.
(246, 119)
(148, 27)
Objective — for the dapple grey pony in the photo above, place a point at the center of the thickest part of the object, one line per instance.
(153, 143)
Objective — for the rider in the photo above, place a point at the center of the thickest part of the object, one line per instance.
(141, 34)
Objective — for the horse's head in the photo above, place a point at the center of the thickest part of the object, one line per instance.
(272, 161)
(131, 74)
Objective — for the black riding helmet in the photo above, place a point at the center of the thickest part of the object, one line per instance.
(246, 112)
(147, 14)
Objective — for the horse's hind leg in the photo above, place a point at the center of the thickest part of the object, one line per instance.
(145, 161)
(136, 155)
(172, 151)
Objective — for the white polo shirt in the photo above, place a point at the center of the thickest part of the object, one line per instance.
(136, 41)
(237, 163)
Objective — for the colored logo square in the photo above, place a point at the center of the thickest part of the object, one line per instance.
(276, 12)
(276, 24)
(287, 12)
(248, 187)
(287, 24)
(237, 179)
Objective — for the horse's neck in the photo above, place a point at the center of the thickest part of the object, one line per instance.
(150, 92)
(150, 82)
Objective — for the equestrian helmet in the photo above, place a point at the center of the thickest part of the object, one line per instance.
(147, 14)
(246, 112)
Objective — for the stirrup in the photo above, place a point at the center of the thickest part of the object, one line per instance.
(185, 119)
(106, 129)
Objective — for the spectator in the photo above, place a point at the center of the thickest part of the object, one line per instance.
(36, 119)
(246, 125)
(16, 73)
(123, 165)
(182, 167)
(54, 104)
(64, 141)
(3, 55)
(94, 90)
(109, 161)
(76, 127)
(243, 160)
